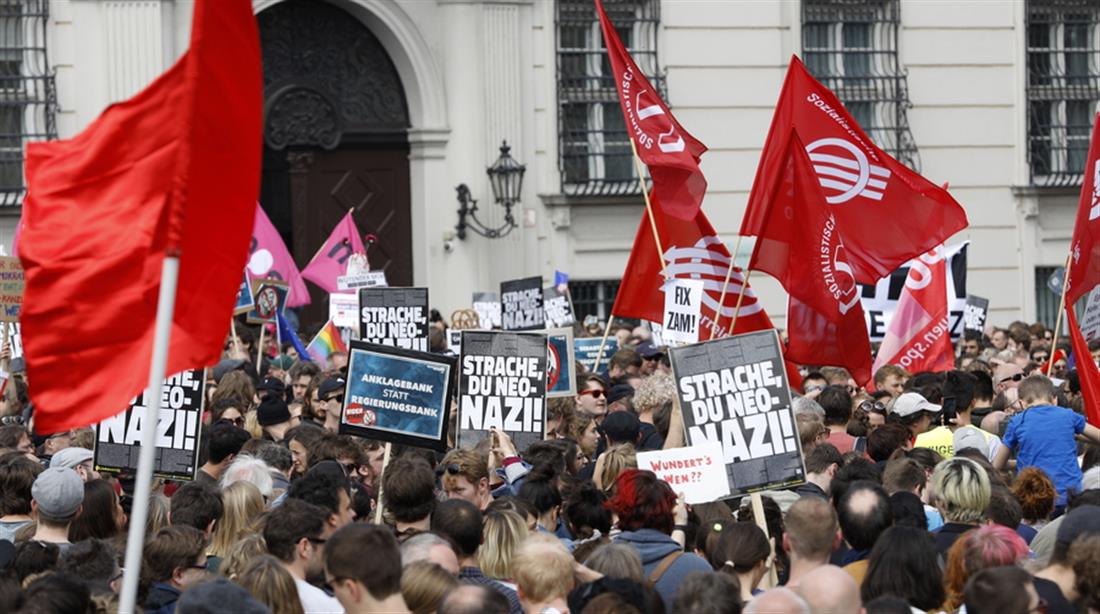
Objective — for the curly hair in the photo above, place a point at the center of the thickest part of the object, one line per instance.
(1036, 494)
(654, 390)
(1084, 557)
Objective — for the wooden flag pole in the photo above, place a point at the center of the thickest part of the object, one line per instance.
(260, 349)
(648, 208)
(740, 297)
(378, 498)
(762, 522)
(725, 286)
(1061, 310)
(233, 331)
(603, 342)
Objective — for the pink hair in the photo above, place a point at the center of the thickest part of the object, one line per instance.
(990, 545)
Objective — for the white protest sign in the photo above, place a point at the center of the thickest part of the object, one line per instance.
(697, 471)
(1090, 320)
(343, 309)
(683, 301)
(370, 279)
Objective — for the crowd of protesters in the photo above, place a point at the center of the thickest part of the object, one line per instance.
(973, 490)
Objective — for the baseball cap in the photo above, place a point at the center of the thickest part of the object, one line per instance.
(225, 366)
(646, 349)
(969, 437)
(272, 383)
(620, 427)
(619, 392)
(71, 457)
(910, 403)
(272, 410)
(1080, 520)
(283, 362)
(59, 491)
(331, 384)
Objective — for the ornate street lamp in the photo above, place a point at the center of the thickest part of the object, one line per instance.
(506, 179)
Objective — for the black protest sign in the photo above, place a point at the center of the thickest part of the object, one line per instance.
(559, 309)
(975, 312)
(734, 392)
(397, 317)
(502, 385)
(521, 304)
(487, 306)
(118, 439)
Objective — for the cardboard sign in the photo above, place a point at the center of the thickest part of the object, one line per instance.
(502, 385)
(880, 301)
(487, 306)
(397, 395)
(559, 309)
(696, 471)
(343, 309)
(521, 305)
(1090, 318)
(683, 303)
(268, 300)
(245, 299)
(588, 348)
(734, 392)
(975, 312)
(11, 289)
(454, 341)
(370, 279)
(118, 439)
(561, 368)
(397, 317)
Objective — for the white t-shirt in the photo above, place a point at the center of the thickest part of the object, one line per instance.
(315, 600)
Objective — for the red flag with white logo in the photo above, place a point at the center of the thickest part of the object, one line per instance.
(799, 243)
(1083, 274)
(919, 336)
(671, 154)
(889, 214)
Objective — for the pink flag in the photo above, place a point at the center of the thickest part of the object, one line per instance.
(331, 261)
(268, 257)
(919, 336)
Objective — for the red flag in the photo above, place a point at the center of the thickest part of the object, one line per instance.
(799, 243)
(173, 170)
(1084, 267)
(919, 337)
(1087, 372)
(671, 154)
(889, 214)
(331, 260)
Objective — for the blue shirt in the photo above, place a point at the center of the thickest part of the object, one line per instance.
(1043, 437)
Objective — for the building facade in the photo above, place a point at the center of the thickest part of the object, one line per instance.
(386, 106)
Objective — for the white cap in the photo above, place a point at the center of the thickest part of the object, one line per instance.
(912, 402)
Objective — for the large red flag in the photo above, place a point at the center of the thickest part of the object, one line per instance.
(175, 170)
(1088, 374)
(919, 336)
(1083, 274)
(888, 213)
(799, 243)
(671, 154)
(331, 261)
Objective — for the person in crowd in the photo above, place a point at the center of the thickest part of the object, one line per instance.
(587, 517)
(650, 396)
(821, 465)
(331, 396)
(864, 514)
(780, 599)
(830, 589)
(544, 574)
(987, 546)
(502, 533)
(813, 383)
(265, 578)
(57, 496)
(905, 563)
(811, 534)
(891, 379)
(424, 585)
(708, 593)
(172, 561)
(219, 595)
(649, 516)
(466, 476)
(962, 495)
(744, 552)
(431, 547)
(101, 514)
(408, 495)
(96, 562)
(1002, 590)
(1036, 494)
(461, 522)
(296, 533)
(299, 441)
(1057, 582)
(280, 464)
(17, 476)
(197, 504)
(274, 416)
(248, 468)
(610, 464)
(223, 443)
(837, 403)
(228, 411)
(624, 363)
(325, 487)
(339, 448)
(242, 504)
(301, 374)
(884, 442)
(1084, 557)
(617, 561)
(540, 490)
(77, 459)
(1043, 436)
(56, 593)
(474, 599)
(913, 411)
(582, 430)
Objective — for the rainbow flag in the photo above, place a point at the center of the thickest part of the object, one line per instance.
(326, 342)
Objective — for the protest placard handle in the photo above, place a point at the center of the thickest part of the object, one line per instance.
(649, 208)
(603, 342)
(260, 349)
(378, 502)
(725, 286)
(1061, 310)
(740, 297)
(233, 331)
(762, 522)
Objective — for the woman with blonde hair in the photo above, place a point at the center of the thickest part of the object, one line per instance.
(241, 554)
(243, 502)
(424, 585)
(582, 430)
(502, 532)
(617, 459)
(271, 584)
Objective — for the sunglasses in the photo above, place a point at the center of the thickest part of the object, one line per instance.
(873, 407)
(1012, 378)
(349, 468)
(338, 398)
(1041, 357)
(596, 394)
(450, 469)
(813, 388)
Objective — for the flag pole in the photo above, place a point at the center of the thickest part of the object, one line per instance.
(648, 210)
(725, 286)
(378, 495)
(135, 540)
(1061, 310)
(603, 342)
(740, 297)
(260, 349)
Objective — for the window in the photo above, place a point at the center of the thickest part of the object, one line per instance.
(593, 298)
(594, 149)
(852, 47)
(1046, 300)
(1063, 87)
(28, 98)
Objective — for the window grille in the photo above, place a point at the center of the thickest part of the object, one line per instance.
(852, 47)
(594, 148)
(1063, 87)
(28, 96)
(593, 298)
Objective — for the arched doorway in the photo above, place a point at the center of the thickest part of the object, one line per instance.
(335, 138)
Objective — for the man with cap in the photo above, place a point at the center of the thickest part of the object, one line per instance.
(331, 395)
(227, 365)
(620, 398)
(274, 416)
(77, 459)
(271, 387)
(56, 498)
(959, 388)
(1056, 583)
(652, 358)
(914, 412)
(279, 366)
